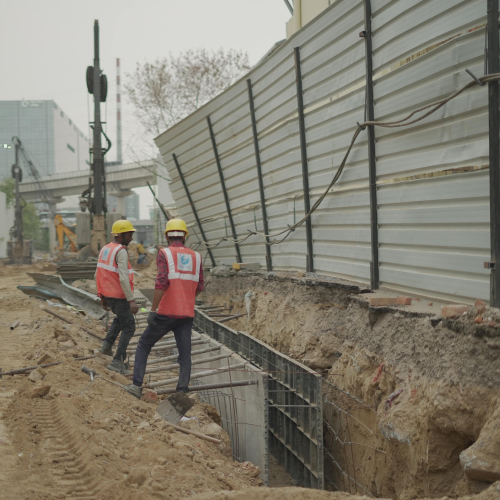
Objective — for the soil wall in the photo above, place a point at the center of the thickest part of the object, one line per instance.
(412, 407)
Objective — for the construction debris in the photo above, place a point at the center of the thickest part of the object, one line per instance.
(81, 299)
(76, 270)
(390, 301)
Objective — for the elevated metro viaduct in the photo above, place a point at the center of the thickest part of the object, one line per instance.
(120, 179)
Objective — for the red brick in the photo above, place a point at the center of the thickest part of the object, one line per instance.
(150, 396)
(453, 310)
(478, 319)
(479, 306)
(390, 301)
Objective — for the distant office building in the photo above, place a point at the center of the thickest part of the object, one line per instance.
(131, 205)
(53, 141)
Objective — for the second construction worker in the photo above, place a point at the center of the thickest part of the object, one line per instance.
(115, 287)
(179, 281)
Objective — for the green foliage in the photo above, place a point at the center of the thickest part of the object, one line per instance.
(8, 186)
(31, 223)
(42, 244)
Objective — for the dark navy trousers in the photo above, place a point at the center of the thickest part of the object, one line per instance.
(124, 322)
(182, 330)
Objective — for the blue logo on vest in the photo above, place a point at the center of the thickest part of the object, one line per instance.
(105, 254)
(184, 262)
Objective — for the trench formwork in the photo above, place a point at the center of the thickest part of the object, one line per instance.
(289, 407)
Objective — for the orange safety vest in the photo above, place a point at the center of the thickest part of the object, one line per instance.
(184, 274)
(107, 276)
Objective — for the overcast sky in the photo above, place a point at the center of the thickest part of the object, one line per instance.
(46, 46)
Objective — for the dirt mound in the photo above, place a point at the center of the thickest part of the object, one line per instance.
(413, 406)
(276, 494)
(493, 493)
(60, 437)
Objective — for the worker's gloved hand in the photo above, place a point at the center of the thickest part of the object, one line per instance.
(152, 318)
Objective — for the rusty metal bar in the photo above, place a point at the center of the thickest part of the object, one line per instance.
(19, 371)
(175, 366)
(175, 356)
(208, 387)
(207, 373)
(62, 318)
(230, 318)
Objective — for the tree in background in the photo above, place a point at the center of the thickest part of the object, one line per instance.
(31, 221)
(169, 89)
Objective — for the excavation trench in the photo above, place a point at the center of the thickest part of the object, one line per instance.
(410, 403)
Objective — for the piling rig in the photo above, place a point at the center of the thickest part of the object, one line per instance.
(94, 197)
(21, 250)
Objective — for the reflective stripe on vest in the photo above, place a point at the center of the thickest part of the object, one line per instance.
(107, 276)
(184, 267)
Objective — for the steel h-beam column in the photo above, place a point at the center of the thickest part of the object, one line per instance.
(269, 261)
(370, 115)
(303, 154)
(193, 208)
(494, 144)
(223, 184)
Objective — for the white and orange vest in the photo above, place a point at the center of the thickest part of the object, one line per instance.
(107, 277)
(184, 274)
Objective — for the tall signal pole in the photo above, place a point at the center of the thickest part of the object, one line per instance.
(118, 114)
(98, 160)
(97, 85)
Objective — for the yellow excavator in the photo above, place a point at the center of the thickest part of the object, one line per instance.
(61, 230)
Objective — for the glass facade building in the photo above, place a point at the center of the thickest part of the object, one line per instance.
(52, 140)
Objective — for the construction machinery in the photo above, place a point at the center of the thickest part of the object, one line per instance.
(61, 230)
(20, 250)
(94, 198)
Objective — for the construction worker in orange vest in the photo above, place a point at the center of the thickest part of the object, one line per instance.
(115, 286)
(178, 282)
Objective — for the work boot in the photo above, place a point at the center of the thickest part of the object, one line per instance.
(106, 348)
(118, 366)
(134, 390)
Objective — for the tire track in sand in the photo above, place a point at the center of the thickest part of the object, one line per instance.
(72, 470)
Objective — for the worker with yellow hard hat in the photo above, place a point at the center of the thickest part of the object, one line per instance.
(178, 282)
(115, 286)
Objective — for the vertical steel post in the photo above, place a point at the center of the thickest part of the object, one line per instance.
(370, 115)
(97, 158)
(303, 154)
(269, 261)
(18, 250)
(224, 191)
(193, 207)
(494, 144)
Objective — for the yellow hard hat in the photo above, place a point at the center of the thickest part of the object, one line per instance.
(122, 226)
(176, 225)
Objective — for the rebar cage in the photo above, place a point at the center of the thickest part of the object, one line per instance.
(295, 414)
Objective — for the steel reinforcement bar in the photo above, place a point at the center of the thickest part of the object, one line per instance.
(294, 402)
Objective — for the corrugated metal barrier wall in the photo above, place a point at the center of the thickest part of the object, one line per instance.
(432, 177)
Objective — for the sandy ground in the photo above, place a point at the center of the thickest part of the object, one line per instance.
(60, 438)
